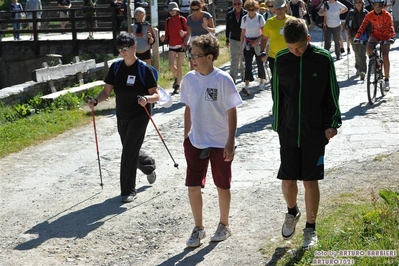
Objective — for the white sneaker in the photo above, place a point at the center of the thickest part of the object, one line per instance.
(386, 88)
(195, 239)
(288, 229)
(222, 233)
(309, 238)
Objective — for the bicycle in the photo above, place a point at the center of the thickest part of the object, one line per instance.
(375, 74)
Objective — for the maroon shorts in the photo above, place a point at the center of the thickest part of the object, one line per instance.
(197, 168)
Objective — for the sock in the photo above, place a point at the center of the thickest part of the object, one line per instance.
(308, 225)
(293, 211)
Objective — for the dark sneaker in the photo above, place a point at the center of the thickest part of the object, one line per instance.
(195, 239)
(245, 91)
(288, 229)
(348, 50)
(362, 75)
(222, 233)
(176, 90)
(174, 83)
(342, 50)
(152, 177)
(309, 238)
(129, 198)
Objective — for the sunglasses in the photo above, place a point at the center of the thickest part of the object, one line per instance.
(270, 6)
(251, 9)
(237, 4)
(124, 49)
(377, 5)
(195, 9)
(356, 2)
(196, 56)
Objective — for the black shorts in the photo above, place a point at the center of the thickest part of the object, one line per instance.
(177, 50)
(305, 164)
(144, 56)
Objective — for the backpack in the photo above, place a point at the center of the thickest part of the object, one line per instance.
(266, 16)
(142, 69)
(164, 98)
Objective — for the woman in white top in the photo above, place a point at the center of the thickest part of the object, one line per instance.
(332, 24)
(251, 37)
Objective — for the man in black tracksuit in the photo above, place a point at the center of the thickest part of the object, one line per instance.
(306, 115)
(233, 33)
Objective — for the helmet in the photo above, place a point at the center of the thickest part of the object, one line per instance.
(377, 1)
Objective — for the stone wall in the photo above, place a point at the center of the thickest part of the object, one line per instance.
(22, 92)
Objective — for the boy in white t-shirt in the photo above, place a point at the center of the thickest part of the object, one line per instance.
(210, 124)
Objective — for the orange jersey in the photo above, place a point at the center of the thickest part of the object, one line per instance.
(381, 24)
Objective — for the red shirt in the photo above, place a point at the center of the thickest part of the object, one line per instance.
(172, 27)
(382, 24)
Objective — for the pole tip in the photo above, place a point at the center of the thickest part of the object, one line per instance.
(177, 165)
(102, 186)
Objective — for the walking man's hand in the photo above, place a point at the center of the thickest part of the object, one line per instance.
(330, 133)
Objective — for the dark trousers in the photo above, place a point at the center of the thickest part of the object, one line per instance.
(249, 55)
(132, 134)
(336, 32)
(146, 163)
(271, 60)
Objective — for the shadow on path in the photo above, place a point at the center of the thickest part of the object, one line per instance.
(76, 224)
(361, 109)
(277, 255)
(258, 125)
(193, 259)
(79, 223)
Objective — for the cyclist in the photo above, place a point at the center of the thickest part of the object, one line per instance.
(382, 29)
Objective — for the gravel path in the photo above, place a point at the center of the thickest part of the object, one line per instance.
(55, 213)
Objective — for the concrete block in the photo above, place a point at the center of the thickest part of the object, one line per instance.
(59, 71)
(78, 89)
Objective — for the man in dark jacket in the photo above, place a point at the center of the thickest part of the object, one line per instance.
(353, 22)
(306, 115)
(233, 33)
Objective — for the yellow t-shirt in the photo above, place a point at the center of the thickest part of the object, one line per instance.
(274, 29)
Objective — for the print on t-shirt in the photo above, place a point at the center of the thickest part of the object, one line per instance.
(211, 94)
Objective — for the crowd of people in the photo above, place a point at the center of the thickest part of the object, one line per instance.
(305, 94)
(276, 34)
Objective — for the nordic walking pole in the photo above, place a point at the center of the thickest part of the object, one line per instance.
(347, 55)
(159, 134)
(98, 154)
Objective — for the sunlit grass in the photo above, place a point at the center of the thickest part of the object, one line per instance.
(349, 224)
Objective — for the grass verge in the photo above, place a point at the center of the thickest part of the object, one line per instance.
(351, 232)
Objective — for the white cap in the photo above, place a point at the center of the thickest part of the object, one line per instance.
(139, 9)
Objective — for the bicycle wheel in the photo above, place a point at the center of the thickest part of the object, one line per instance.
(381, 78)
(372, 81)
